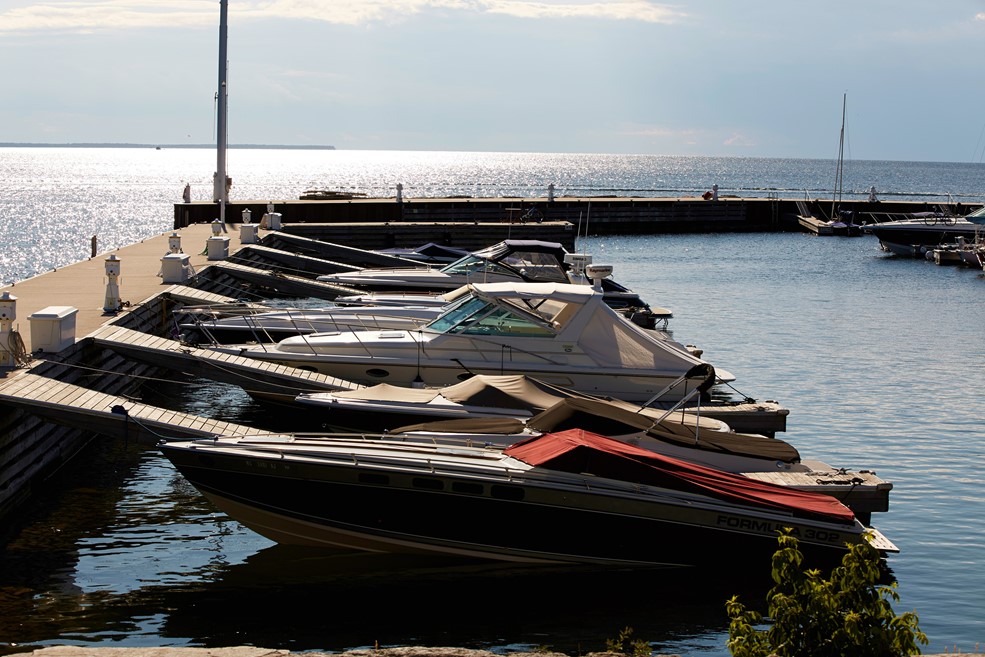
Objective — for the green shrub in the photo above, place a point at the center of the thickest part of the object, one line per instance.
(848, 614)
(626, 645)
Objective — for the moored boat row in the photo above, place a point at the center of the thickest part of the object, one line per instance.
(593, 449)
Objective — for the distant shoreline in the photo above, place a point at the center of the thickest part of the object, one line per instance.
(163, 146)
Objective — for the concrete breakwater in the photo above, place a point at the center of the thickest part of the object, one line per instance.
(387, 222)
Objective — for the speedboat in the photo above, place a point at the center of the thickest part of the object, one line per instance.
(531, 261)
(921, 232)
(272, 325)
(385, 407)
(509, 260)
(559, 333)
(562, 497)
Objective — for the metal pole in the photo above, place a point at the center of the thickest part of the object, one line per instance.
(220, 166)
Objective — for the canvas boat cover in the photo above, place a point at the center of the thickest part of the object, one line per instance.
(612, 418)
(580, 451)
(603, 334)
(606, 417)
(508, 391)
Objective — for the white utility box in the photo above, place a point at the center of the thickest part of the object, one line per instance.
(218, 248)
(175, 268)
(271, 221)
(248, 233)
(53, 328)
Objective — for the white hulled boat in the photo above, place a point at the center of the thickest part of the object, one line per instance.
(562, 334)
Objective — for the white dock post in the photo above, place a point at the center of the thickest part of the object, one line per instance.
(217, 246)
(248, 231)
(112, 302)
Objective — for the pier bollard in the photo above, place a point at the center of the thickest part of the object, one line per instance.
(400, 193)
(550, 193)
(112, 302)
(8, 313)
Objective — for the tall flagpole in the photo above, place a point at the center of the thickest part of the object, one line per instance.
(221, 192)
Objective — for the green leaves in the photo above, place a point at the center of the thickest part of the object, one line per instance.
(810, 616)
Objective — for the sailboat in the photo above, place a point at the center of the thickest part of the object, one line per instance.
(842, 221)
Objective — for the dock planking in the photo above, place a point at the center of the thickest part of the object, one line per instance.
(86, 409)
(252, 375)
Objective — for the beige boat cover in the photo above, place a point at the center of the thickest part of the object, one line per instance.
(507, 391)
(614, 418)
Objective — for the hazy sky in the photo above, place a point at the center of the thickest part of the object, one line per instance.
(708, 77)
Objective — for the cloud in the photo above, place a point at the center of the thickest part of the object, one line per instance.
(638, 10)
(736, 139)
(106, 15)
(91, 16)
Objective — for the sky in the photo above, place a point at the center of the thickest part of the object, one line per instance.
(748, 78)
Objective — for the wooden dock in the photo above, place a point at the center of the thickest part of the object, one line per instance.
(259, 378)
(83, 284)
(78, 407)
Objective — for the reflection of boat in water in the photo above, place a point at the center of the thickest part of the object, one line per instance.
(560, 333)
(563, 497)
(272, 590)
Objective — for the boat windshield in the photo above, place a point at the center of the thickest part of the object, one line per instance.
(530, 265)
(478, 317)
(471, 265)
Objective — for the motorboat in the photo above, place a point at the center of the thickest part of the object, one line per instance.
(532, 261)
(685, 434)
(384, 406)
(559, 333)
(272, 325)
(509, 260)
(505, 410)
(921, 232)
(563, 497)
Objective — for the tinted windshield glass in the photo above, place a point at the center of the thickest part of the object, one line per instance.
(471, 265)
(465, 310)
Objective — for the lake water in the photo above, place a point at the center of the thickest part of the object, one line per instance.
(879, 358)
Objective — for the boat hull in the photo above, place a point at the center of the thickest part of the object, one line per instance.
(369, 370)
(511, 518)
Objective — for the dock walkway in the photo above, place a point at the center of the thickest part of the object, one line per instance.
(76, 406)
(83, 285)
(254, 376)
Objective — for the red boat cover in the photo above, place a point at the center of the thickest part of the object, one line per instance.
(577, 450)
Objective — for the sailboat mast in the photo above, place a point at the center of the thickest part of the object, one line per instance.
(839, 170)
(221, 192)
